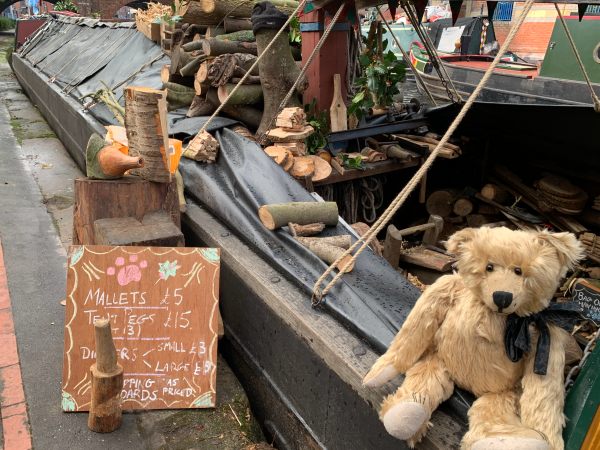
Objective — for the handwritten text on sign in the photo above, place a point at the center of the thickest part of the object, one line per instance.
(162, 304)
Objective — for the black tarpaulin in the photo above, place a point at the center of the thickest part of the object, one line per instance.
(373, 299)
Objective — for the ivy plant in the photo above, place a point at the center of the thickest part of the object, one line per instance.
(65, 5)
(378, 83)
(317, 120)
(295, 34)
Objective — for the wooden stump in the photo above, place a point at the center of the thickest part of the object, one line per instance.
(156, 229)
(146, 125)
(126, 197)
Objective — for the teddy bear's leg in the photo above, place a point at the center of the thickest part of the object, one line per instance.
(495, 425)
(406, 413)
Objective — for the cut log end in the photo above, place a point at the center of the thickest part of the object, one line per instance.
(266, 218)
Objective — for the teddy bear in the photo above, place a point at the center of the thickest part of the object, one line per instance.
(482, 329)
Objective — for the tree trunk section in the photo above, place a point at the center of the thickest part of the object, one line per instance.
(302, 213)
(178, 95)
(167, 77)
(211, 12)
(192, 67)
(125, 197)
(200, 107)
(246, 94)
(496, 194)
(146, 125)
(440, 203)
(238, 36)
(278, 72)
(216, 47)
(463, 207)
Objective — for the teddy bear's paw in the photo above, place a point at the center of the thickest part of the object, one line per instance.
(379, 376)
(405, 420)
(510, 443)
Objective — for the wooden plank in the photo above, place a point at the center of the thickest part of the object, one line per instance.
(342, 351)
(423, 257)
(338, 113)
(376, 168)
(162, 304)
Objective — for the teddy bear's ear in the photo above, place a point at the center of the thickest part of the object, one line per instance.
(455, 244)
(568, 248)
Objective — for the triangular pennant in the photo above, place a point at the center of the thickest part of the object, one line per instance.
(393, 5)
(455, 8)
(581, 8)
(420, 6)
(491, 7)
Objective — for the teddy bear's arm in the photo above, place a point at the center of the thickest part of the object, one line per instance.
(543, 397)
(417, 332)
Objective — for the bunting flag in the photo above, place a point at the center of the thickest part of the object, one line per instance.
(455, 6)
(420, 9)
(581, 8)
(491, 7)
(393, 6)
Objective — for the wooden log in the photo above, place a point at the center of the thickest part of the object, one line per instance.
(167, 77)
(281, 135)
(462, 207)
(128, 196)
(424, 257)
(202, 148)
(191, 46)
(232, 24)
(190, 69)
(250, 79)
(298, 148)
(343, 241)
(303, 167)
(245, 114)
(146, 125)
(328, 253)
(496, 193)
(107, 382)
(395, 151)
(303, 213)
(293, 118)
(216, 47)
(310, 229)
(238, 36)
(201, 88)
(202, 73)
(212, 12)
(322, 168)
(179, 58)
(250, 94)
(440, 203)
(212, 32)
(200, 107)
(179, 95)
(279, 154)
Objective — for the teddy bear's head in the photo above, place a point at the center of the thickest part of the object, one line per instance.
(513, 271)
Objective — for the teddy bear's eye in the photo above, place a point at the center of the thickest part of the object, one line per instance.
(489, 267)
(518, 271)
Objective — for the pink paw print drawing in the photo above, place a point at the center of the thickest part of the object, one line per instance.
(127, 273)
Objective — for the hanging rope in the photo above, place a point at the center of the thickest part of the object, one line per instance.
(316, 50)
(407, 59)
(366, 239)
(249, 71)
(595, 98)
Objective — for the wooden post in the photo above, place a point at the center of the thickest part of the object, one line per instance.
(107, 382)
(332, 57)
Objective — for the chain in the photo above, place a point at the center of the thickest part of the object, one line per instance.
(586, 352)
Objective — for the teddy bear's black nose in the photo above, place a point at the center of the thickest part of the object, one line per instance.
(502, 299)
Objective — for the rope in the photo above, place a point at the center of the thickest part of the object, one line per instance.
(304, 68)
(595, 98)
(366, 239)
(247, 74)
(407, 59)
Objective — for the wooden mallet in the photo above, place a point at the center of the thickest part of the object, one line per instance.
(107, 382)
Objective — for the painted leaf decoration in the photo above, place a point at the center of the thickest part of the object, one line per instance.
(68, 402)
(204, 401)
(210, 254)
(76, 255)
(167, 269)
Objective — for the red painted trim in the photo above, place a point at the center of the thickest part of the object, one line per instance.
(15, 420)
(584, 18)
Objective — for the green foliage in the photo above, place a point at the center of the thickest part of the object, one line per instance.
(295, 35)
(352, 163)
(6, 23)
(65, 5)
(317, 120)
(378, 83)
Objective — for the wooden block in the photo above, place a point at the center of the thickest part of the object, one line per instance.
(125, 197)
(423, 257)
(156, 229)
(279, 134)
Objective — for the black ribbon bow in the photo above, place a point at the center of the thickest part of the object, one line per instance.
(517, 339)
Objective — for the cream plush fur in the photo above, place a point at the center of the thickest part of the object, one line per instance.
(454, 336)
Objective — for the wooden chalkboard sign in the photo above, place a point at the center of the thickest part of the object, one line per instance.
(162, 304)
(587, 295)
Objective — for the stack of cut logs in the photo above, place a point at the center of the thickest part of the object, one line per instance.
(211, 49)
(289, 150)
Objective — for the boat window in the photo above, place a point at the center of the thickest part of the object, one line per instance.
(596, 53)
